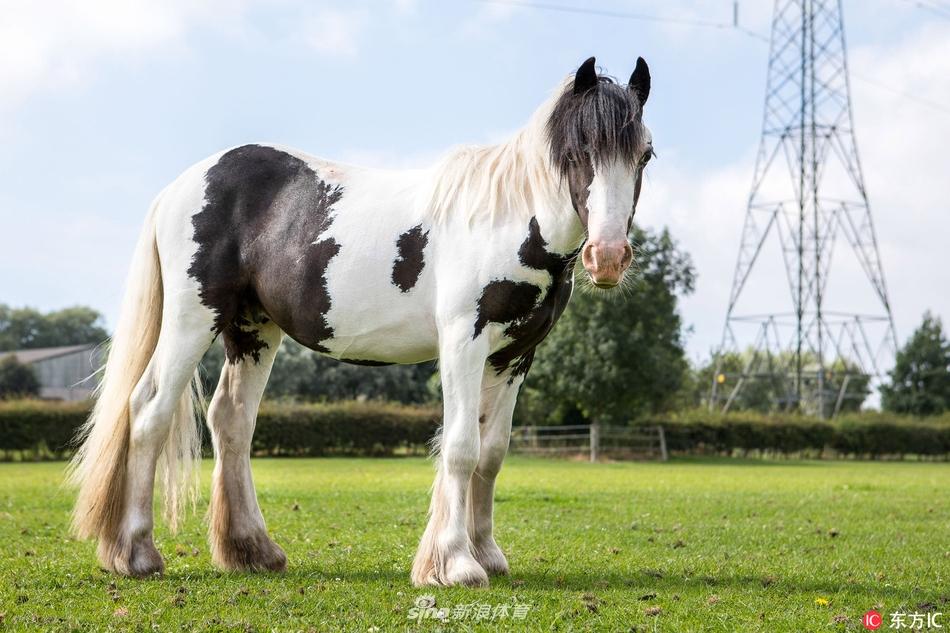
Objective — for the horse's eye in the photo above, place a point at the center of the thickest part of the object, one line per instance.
(647, 155)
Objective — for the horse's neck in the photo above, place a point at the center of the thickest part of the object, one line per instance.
(503, 186)
(560, 225)
(561, 228)
(549, 201)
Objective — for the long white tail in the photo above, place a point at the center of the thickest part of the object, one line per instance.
(99, 466)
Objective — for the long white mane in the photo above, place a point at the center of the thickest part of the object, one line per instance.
(512, 177)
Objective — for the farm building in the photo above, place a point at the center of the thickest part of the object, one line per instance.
(65, 373)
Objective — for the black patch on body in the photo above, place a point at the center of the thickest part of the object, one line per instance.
(259, 254)
(409, 262)
(503, 301)
(517, 304)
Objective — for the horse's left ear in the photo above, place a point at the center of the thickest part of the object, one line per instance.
(640, 81)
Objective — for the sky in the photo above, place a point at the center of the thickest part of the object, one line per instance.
(103, 103)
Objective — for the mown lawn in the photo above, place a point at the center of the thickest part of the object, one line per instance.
(683, 546)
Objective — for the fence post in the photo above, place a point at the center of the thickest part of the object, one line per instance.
(594, 441)
(663, 454)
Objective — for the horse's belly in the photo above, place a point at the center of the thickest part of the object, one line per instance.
(376, 322)
(381, 284)
(382, 340)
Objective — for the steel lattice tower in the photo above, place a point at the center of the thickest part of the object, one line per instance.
(807, 191)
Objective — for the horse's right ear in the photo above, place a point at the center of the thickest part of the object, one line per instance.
(586, 77)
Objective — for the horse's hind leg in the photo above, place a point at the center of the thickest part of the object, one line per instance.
(499, 394)
(239, 539)
(156, 400)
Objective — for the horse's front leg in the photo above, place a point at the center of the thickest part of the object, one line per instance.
(499, 394)
(445, 552)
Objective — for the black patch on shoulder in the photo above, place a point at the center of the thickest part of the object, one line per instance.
(517, 303)
(259, 254)
(503, 301)
(409, 262)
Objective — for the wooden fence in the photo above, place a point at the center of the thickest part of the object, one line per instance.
(592, 440)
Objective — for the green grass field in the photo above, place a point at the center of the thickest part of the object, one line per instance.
(683, 546)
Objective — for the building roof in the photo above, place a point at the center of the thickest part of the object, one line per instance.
(29, 356)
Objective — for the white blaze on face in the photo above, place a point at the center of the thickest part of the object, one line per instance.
(607, 253)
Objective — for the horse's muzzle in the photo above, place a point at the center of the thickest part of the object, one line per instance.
(606, 262)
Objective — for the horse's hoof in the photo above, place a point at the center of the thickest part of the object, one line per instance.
(146, 561)
(251, 553)
(138, 558)
(459, 570)
(492, 559)
(466, 571)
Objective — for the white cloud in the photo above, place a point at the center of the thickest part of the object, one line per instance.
(486, 17)
(55, 44)
(405, 6)
(335, 31)
(903, 147)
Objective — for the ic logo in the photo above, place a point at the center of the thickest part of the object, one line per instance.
(872, 620)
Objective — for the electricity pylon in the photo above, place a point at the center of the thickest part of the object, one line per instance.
(807, 191)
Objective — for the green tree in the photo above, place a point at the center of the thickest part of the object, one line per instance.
(759, 394)
(920, 380)
(28, 328)
(616, 355)
(771, 388)
(334, 380)
(17, 379)
(856, 391)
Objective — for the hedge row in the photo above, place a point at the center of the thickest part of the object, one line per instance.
(345, 428)
(36, 429)
(32, 428)
(864, 435)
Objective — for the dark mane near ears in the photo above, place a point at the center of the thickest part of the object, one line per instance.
(602, 123)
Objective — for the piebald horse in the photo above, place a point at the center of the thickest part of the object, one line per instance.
(470, 261)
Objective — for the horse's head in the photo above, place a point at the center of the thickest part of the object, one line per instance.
(600, 146)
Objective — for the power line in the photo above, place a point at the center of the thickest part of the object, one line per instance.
(934, 7)
(882, 86)
(563, 8)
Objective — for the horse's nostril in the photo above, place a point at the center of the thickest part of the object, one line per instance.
(588, 256)
(627, 256)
